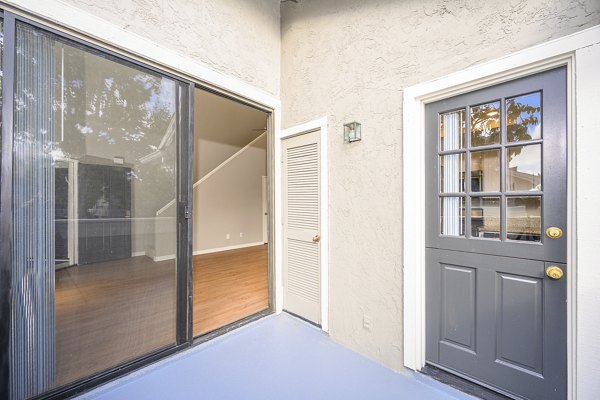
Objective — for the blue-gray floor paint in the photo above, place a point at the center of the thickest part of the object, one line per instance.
(277, 357)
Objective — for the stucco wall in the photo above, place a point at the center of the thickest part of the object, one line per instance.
(237, 37)
(349, 60)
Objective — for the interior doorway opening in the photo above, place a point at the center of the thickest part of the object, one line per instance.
(230, 212)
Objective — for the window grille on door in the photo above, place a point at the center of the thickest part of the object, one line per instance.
(490, 170)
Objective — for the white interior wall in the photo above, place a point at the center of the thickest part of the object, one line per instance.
(229, 202)
(222, 127)
(350, 61)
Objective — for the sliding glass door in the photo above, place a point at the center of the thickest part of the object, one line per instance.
(97, 275)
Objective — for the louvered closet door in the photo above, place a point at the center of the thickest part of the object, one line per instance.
(302, 255)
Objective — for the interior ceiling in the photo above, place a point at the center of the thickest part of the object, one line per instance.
(222, 120)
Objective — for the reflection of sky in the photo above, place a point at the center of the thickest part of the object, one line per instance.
(533, 100)
(528, 161)
(164, 98)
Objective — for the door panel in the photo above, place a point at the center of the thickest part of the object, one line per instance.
(504, 339)
(493, 314)
(458, 299)
(302, 268)
(519, 315)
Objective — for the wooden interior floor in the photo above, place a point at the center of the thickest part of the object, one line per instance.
(229, 286)
(109, 313)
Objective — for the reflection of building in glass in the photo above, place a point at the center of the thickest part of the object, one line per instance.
(524, 181)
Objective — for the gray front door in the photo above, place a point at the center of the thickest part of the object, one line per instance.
(496, 238)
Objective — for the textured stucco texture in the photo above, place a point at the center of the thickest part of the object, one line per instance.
(240, 38)
(350, 60)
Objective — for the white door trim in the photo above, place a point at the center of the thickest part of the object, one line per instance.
(563, 51)
(321, 125)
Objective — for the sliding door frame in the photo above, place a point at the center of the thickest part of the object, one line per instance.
(185, 223)
(271, 274)
(185, 110)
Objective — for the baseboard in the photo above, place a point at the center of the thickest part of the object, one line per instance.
(163, 258)
(234, 247)
(198, 252)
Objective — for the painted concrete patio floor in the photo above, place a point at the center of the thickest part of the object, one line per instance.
(276, 357)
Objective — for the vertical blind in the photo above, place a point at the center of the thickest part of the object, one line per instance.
(451, 205)
(32, 341)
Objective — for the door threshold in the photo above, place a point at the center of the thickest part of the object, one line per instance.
(205, 337)
(308, 321)
(462, 384)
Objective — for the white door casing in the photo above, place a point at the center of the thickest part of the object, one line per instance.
(317, 129)
(569, 51)
(265, 209)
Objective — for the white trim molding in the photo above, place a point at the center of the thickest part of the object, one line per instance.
(321, 125)
(572, 51)
(226, 248)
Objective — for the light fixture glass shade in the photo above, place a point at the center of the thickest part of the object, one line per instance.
(352, 132)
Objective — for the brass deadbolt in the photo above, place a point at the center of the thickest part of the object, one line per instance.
(316, 238)
(554, 232)
(554, 272)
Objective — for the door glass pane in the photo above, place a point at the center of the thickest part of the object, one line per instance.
(452, 173)
(485, 171)
(485, 217)
(452, 216)
(523, 218)
(95, 237)
(485, 124)
(524, 117)
(524, 168)
(452, 130)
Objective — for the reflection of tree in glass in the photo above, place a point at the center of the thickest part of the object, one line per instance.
(521, 119)
(521, 116)
(485, 124)
(89, 107)
(113, 110)
(113, 104)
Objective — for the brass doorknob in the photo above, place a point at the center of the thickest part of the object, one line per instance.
(554, 272)
(316, 238)
(554, 232)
